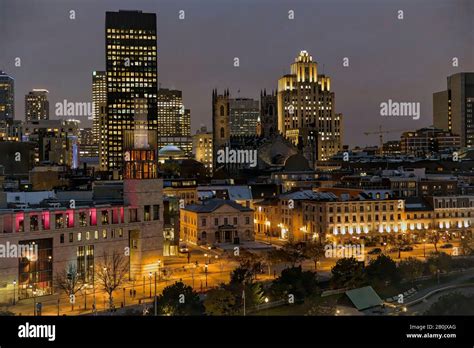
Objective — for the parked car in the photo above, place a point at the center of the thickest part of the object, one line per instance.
(406, 248)
(375, 251)
(446, 246)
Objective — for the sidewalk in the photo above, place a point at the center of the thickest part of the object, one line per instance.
(218, 272)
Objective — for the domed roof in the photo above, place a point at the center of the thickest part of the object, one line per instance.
(170, 150)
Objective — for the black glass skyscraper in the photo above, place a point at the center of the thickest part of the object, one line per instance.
(131, 67)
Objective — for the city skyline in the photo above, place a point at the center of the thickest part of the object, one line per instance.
(219, 158)
(182, 55)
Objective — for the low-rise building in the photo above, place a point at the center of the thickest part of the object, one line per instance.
(79, 230)
(216, 221)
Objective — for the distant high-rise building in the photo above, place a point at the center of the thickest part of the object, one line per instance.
(174, 121)
(428, 141)
(453, 108)
(99, 96)
(268, 114)
(131, 67)
(102, 146)
(202, 148)
(306, 110)
(56, 141)
(7, 97)
(87, 146)
(37, 105)
(244, 114)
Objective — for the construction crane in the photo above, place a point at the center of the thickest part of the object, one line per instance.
(381, 132)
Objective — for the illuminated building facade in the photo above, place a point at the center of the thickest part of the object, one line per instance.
(306, 110)
(110, 221)
(7, 97)
(56, 141)
(140, 158)
(202, 148)
(37, 105)
(87, 146)
(453, 107)
(174, 121)
(131, 67)
(330, 218)
(216, 221)
(427, 141)
(244, 115)
(99, 97)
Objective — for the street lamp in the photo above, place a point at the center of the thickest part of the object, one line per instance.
(155, 300)
(205, 270)
(34, 301)
(14, 292)
(424, 248)
(149, 277)
(267, 223)
(159, 270)
(193, 269)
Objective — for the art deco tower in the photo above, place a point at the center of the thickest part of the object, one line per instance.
(306, 110)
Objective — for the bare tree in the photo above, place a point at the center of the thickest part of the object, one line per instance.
(435, 237)
(314, 251)
(467, 244)
(71, 282)
(111, 272)
(399, 242)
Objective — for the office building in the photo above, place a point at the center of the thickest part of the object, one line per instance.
(202, 148)
(244, 116)
(452, 108)
(37, 105)
(131, 68)
(174, 121)
(306, 110)
(7, 97)
(428, 141)
(56, 141)
(87, 146)
(99, 97)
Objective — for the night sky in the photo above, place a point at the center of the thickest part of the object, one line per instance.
(403, 60)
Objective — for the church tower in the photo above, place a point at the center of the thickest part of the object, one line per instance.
(268, 114)
(220, 123)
